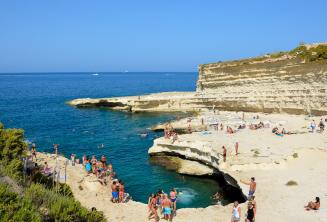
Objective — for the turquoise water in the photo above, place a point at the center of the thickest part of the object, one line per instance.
(36, 102)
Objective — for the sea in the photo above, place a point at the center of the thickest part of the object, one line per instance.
(36, 102)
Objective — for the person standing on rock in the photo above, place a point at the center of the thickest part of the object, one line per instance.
(153, 208)
(33, 151)
(224, 153)
(253, 186)
(166, 204)
(236, 213)
(173, 198)
(236, 148)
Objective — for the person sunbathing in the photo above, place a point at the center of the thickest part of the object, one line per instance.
(46, 170)
(313, 205)
(174, 137)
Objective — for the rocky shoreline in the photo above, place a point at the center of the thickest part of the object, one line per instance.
(282, 91)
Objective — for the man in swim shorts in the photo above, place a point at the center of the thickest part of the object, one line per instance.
(114, 192)
(166, 204)
(253, 186)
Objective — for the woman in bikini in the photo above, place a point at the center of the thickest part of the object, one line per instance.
(313, 205)
(153, 208)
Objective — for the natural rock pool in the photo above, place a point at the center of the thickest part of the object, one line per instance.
(36, 102)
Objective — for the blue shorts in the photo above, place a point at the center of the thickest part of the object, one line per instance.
(251, 192)
(114, 194)
(167, 210)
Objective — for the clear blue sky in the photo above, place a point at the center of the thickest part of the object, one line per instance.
(153, 35)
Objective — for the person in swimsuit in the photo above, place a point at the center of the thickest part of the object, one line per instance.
(236, 148)
(236, 212)
(254, 203)
(160, 195)
(173, 199)
(114, 192)
(33, 151)
(250, 213)
(166, 204)
(321, 126)
(55, 148)
(149, 201)
(84, 159)
(104, 160)
(110, 171)
(253, 186)
(313, 205)
(217, 198)
(88, 166)
(153, 208)
(121, 191)
(72, 159)
(224, 153)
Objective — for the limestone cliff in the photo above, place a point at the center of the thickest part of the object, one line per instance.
(293, 82)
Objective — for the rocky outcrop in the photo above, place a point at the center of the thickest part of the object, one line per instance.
(287, 85)
(293, 82)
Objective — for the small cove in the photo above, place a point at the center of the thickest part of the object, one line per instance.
(36, 102)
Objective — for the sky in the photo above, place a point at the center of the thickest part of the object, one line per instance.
(150, 35)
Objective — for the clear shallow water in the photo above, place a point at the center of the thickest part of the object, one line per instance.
(36, 102)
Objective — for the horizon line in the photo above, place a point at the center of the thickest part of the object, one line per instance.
(99, 72)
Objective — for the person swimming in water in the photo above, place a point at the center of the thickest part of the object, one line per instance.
(217, 197)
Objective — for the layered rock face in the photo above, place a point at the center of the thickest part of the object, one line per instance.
(281, 85)
(293, 82)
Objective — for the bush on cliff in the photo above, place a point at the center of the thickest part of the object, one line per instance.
(40, 201)
(12, 149)
(59, 207)
(311, 54)
(14, 208)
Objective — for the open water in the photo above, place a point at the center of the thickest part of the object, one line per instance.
(36, 103)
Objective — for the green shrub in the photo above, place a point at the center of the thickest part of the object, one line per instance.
(60, 207)
(13, 208)
(41, 201)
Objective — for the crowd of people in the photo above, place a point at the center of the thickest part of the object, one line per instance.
(105, 173)
(98, 167)
(251, 204)
(164, 203)
(170, 133)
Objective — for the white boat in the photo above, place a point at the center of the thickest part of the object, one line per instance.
(95, 74)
